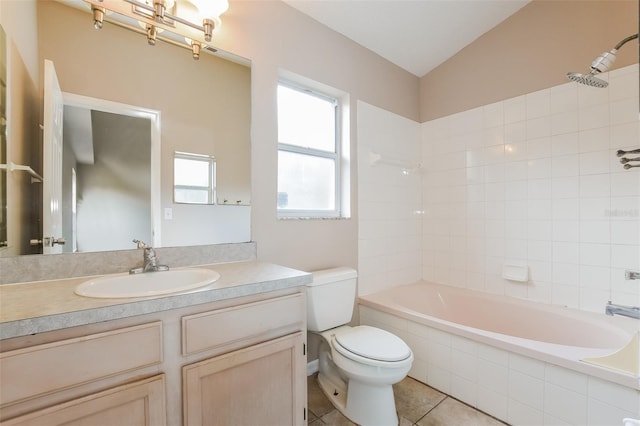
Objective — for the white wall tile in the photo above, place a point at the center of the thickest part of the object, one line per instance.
(539, 147)
(625, 183)
(464, 390)
(439, 378)
(571, 380)
(515, 110)
(537, 178)
(493, 114)
(593, 117)
(566, 295)
(624, 136)
(527, 365)
(565, 404)
(566, 209)
(539, 188)
(589, 96)
(595, 231)
(566, 252)
(563, 98)
(538, 104)
(565, 144)
(564, 122)
(623, 83)
(599, 413)
(565, 165)
(492, 403)
(598, 185)
(595, 254)
(594, 139)
(596, 162)
(624, 111)
(464, 365)
(613, 394)
(520, 413)
(625, 256)
(538, 127)
(594, 277)
(526, 390)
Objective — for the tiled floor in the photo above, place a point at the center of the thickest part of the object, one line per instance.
(417, 404)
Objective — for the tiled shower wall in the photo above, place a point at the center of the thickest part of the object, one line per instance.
(535, 181)
(389, 201)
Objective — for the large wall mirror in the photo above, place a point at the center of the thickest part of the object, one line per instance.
(118, 94)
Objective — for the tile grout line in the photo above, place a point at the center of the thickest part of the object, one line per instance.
(432, 408)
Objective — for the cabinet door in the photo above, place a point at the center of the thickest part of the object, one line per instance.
(264, 384)
(140, 403)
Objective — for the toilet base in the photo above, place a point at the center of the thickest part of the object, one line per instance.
(361, 403)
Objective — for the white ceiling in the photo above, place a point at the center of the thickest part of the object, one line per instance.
(417, 35)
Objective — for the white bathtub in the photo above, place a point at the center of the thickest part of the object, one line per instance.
(520, 361)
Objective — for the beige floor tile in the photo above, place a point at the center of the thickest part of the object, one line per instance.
(414, 399)
(417, 404)
(335, 418)
(317, 403)
(404, 422)
(453, 412)
(316, 422)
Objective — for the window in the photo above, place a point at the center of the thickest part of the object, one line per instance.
(309, 165)
(193, 178)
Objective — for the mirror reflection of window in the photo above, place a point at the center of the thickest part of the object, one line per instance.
(194, 178)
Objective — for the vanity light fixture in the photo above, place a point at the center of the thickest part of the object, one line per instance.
(98, 16)
(195, 20)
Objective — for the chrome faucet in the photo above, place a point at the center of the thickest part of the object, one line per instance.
(150, 260)
(627, 311)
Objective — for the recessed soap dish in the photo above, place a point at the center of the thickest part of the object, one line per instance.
(514, 272)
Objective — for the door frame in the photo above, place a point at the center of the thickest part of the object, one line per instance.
(81, 101)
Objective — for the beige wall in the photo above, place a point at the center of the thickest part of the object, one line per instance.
(275, 36)
(531, 50)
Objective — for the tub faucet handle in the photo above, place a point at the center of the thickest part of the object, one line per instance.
(631, 275)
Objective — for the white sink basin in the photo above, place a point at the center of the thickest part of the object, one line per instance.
(147, 284)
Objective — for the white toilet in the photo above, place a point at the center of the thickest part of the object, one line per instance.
(357, 366)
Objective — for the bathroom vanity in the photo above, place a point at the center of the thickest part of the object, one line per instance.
(233, 352)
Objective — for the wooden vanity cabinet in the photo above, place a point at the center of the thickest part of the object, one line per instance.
(137, 403)
(234, 362)
(263, 383)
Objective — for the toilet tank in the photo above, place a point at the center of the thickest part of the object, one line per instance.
(330, 298)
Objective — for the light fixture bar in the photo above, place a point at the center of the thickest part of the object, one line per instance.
(199, 36)
(151, 9)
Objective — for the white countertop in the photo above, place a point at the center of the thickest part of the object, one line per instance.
(36, 307)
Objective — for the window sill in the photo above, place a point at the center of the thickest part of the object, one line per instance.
(312, 218)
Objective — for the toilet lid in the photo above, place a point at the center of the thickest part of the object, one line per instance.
(373, 343)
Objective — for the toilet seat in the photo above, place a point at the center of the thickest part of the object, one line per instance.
(371, 345)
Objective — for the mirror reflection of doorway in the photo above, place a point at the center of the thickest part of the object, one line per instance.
(108, 155)
(101, 163)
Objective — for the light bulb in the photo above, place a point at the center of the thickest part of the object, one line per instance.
(211, 8)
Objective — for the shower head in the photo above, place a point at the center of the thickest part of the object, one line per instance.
(601, 64)
(588, 79)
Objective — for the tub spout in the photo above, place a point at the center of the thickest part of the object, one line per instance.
(627, 311)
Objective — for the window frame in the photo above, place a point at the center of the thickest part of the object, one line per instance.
(335, 155)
